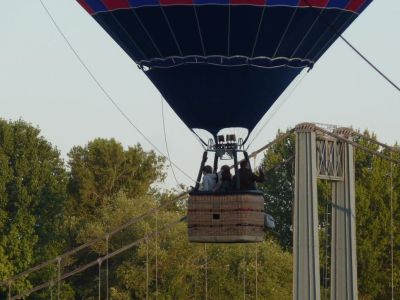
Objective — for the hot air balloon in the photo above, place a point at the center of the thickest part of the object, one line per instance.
(221, 64)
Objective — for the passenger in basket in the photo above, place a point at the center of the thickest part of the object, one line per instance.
(224, 180)
(247, 177)
(209, 179)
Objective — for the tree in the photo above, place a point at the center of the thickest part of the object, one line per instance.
(32, 194)
(181, 265)
(279, 186)
(105, 183)
(373, 194)
(103, 168)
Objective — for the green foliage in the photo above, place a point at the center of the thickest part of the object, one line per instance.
(103, 168)
(373, 190)
(32, 192)
(100, 170)
(107, 185)
(278, 187)
(181, 266)
(45, 209)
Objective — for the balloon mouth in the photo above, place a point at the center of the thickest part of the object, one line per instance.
(226, 138)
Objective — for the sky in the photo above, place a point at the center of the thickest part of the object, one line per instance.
(42, 82)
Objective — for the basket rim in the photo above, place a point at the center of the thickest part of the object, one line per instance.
(237, 192)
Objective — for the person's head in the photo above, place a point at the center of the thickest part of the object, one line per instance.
(244, 164)
(226, 173)
(225, 168)
(207, 170)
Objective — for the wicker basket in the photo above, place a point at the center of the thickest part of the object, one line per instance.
(226, 218)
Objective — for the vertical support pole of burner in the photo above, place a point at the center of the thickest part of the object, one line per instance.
(215, 162)
(235, 161)
(246, 157)
(203, 162)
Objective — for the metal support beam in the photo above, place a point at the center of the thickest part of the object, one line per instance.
(203, 162)
(306, 276)
(343, 255)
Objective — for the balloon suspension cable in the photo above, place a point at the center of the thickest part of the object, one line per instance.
(108, 96)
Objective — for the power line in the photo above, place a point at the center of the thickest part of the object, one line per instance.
(108, 96)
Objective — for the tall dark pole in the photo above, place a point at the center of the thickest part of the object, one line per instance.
(203, 162)
(215, 162)
(246, 157)
(235, 160)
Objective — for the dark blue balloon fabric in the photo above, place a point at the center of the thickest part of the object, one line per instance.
(223, 63)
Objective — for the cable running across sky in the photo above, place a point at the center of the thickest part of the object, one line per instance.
(108, 96)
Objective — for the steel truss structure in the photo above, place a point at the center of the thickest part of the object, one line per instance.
(322, 156)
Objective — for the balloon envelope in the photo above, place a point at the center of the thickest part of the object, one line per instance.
(223, 63)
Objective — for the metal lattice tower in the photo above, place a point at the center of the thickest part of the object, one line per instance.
(322, 156)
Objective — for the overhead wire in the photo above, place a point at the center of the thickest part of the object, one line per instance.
(278, 106)
(166, 141)
(356, 145)
(256, 271)
(147, 267)
(98, 261)
(363, 57)
(115, 230)
(244, 270)
(156, 254)
(391, 228)
(374, 141)
(108, 96)
(206, 270)
(326, 248)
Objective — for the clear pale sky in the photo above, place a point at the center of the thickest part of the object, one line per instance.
(42, 82)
